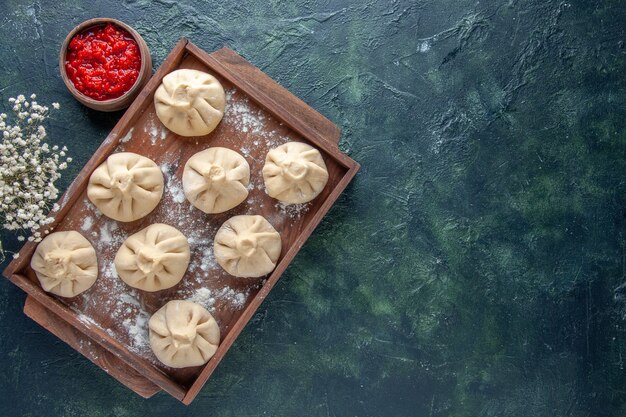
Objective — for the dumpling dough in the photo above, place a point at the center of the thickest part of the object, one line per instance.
(294, 173)
(65, 263)
(183, 333)
(153, 259)
(247, 246)
(190, 102)
(215, 180)
(126, 187)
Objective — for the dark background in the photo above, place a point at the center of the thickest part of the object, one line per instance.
(475, 265)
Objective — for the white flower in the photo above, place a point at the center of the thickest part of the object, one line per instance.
(56, 106)
(29, 168)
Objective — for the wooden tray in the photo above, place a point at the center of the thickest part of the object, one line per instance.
(108, 323)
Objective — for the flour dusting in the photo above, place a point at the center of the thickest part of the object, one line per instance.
(87, 223)
(293, 211)
(128, 135)
(207, 298)
(155, 130)
(173, 186)
(247, 119)
(138, 330)
(243, 116)
(204, 297)
(208, 260)
(86, 319)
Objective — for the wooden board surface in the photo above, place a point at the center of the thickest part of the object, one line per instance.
(260, 115)
(89, 349)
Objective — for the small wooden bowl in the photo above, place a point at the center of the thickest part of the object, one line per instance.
(125, 99)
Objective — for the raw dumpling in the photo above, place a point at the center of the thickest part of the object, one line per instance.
(190, 102)
(183, 333)
(215, 180)
(247, 246)
(126, 186)
(294, 173)
(153, 259)
(65, 263)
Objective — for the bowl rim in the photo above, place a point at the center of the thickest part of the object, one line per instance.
(145, 61)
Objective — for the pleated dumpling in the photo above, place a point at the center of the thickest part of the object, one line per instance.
(183, 333)
(65, 263)
(153, 259)
(126, 187)
(215, 179)
(247, 246)
(294, 173)
(190, 102)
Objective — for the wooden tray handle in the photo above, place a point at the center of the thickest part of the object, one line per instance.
(89, 349)
(300, 116)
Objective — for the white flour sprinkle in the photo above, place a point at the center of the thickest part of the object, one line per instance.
(172, 185)
(107, 233)
(204, 297)
(155, 130)
(110, 272)
(86, 319)
(208, 260)
(154, 134)
(178, 195)
(128, 135)
(129, 299)
(293, 211)
(236, 299)
(90, 207)
(138, 330)
(87, 223)
(207, 298)
(243, 117)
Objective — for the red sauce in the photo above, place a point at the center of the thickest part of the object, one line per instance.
(103, 62)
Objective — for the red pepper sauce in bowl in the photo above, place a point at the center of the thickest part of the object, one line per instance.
(103, 62)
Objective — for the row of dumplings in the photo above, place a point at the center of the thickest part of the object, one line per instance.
(155, 258)
(128, 186)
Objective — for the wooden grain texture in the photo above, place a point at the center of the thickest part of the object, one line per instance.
(125, 99)
(92, 351)
(260, 115)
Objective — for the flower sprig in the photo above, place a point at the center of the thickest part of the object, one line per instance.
(29, 168)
